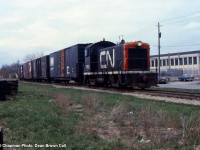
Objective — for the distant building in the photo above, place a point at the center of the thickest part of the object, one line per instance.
(187, 62)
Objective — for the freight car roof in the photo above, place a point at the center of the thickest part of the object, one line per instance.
(101, 43)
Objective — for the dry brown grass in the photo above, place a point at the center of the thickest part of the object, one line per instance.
(190, 129)
(42, 92)
(66, 103)
(139, 128)
(90, 103)
(135, 129)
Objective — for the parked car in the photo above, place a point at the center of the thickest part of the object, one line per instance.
(163, 79)
(186, 77)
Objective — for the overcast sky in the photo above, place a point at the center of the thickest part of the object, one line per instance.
(34, 26)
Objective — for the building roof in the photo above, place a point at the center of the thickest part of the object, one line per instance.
(179, 53)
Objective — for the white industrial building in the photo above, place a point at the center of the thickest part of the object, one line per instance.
(188, 62)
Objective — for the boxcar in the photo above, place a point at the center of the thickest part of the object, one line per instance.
(36, 69)
(56, 63)
(27, 70)
(45, 68)
(21, 72)
(74, 62)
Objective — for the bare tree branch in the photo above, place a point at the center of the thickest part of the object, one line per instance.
(33, 56)
(9, 70)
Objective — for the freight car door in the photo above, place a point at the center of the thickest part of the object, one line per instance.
(62, 61)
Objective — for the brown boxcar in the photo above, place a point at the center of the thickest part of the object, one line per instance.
(56, 65)
(27, 70)
(20, 72)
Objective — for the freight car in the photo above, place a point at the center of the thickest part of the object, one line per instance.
(126, 64)
(67, 64)
(21, 72)
(40, 69)
(44, 68)
(27, 71)
(74, 62)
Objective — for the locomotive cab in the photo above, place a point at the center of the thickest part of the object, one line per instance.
(91, 60)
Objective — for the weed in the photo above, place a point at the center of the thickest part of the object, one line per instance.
(84, 120)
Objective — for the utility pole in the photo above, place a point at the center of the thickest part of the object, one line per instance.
(159, 36)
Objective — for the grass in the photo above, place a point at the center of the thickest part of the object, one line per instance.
(84, 120)
(177, 89)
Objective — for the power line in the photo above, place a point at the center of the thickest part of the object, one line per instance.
(146, 29)
(193, 15)
(182, 45)
(177, 45)
(170, 21)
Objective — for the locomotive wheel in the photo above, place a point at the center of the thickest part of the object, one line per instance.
(106, 81)
(86, 81)
(80, 82)
(122, 85)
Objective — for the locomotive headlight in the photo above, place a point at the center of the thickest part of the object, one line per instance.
(139, 43)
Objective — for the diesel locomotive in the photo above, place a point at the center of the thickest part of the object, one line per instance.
(103, 63)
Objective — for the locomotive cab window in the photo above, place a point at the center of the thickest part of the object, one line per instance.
(51, 61)
(86, 52)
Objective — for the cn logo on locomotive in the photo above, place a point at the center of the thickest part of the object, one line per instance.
(105, 57)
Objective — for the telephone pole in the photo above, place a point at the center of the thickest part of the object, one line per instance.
(159, 36)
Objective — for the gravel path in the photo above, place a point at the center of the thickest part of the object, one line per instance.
(157, 98)
(182, 85)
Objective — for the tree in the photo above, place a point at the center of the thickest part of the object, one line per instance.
(7, 70)
(33, 56)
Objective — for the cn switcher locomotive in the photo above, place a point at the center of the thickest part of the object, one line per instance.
(102, 63)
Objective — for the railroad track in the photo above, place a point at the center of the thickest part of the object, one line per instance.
(173, 94)
(159, 93)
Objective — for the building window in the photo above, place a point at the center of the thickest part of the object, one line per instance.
(152, 63)
(185, 61)
(180, 61)
(167, 62)
(194, 60)
(172, 62)
(160, 62)
(156, 62)
(176, 61)
(190, 60)
(164, 62)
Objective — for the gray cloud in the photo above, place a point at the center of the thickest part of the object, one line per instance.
(35, 25)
